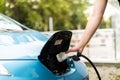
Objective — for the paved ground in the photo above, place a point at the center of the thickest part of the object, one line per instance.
(107, 71)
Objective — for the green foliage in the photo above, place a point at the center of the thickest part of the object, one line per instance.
(117, 77)
(2, 5)
(66, 14)
(105, 24)
(117, 66)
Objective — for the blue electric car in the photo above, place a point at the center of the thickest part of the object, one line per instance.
(25, 56)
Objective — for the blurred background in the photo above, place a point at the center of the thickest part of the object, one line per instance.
(48, 16)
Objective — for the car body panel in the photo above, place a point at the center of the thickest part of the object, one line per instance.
(27, 70)
(34, 70)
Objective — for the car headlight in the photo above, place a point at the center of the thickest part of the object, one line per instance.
(4, 71)
(86, 78)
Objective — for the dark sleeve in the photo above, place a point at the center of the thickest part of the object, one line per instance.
(119, 2)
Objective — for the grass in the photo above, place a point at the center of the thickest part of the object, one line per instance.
(117, 77)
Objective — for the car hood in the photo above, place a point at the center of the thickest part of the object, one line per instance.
(21, 45)
(12, 38)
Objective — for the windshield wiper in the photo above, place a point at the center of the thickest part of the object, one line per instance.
(7, 30)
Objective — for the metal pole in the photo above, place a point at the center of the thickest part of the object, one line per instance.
(50, 24)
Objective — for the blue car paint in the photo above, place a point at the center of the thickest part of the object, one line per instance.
(25, 36)
(34, 70)
(28, 70)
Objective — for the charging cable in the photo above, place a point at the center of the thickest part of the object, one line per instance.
(76, 58)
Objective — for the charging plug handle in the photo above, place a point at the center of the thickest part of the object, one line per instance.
(76, 57)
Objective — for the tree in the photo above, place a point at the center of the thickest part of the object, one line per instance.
(66, 14)
(2, 6)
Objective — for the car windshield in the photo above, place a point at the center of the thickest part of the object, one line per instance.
(7, 24)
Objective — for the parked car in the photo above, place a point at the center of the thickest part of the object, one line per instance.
(20, 47)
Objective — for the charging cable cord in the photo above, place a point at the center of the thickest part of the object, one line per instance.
(76, 58)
